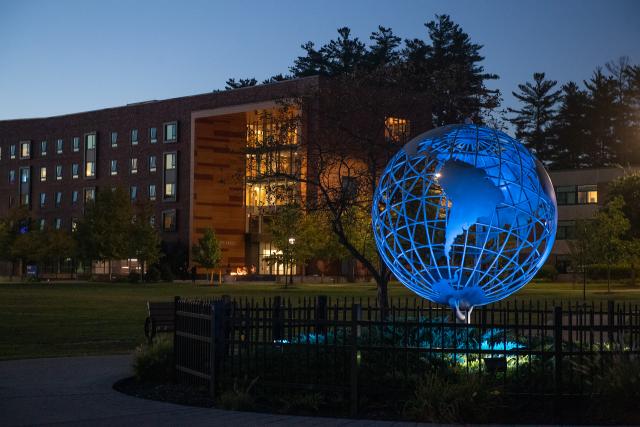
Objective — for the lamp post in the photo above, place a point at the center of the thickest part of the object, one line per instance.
(292, 241)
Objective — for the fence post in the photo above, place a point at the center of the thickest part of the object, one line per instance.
(276, 319)
(216, 344)
(610, 320)
(321, 314)
(557, 338)
(356, 316)
(176, 300)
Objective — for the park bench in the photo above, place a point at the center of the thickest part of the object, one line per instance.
(161, 318)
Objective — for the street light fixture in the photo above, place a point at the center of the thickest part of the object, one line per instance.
(292, 241)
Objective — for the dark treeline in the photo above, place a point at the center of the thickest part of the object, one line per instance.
(571, 125)
(589, 125)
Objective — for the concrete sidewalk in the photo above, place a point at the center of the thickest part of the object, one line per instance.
(77, 391)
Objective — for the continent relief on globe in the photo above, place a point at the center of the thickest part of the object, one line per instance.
(474, 198)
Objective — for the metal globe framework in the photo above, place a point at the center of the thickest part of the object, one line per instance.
(464, 215)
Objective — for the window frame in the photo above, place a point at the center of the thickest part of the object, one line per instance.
(164, 132)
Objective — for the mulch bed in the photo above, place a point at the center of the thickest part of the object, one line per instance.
(171, 393)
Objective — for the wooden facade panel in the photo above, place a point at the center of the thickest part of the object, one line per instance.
(219, 169)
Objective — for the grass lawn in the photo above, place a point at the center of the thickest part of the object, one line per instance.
(61, 319)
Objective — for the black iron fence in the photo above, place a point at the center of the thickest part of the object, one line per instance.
(347, 347)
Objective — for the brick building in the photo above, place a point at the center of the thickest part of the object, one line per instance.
(188, 155)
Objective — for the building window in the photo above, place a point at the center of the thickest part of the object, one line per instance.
(76, 144)
(134, 136)
(170, 176)
(171, 132)
(12, 176)
(25, 186)
(114, 167)
(152, 163)
(43, 199)
(58, 199)
(58, 172)
(43, 173)
(566, 230)
(89, 195)
(43, 148)
(25, 149)
(114, 139)
(153, 135)
(59, 146)
(90, 155)
(587, 194)
(74, 225)
(12, 151)
(152, 220)
(134, 166)
(133, 192)
(396, 130)
(75, 171)
(42, 224)
(74, 197)
(152, 192)
(58, 223)
(566, 195)
(169, 221)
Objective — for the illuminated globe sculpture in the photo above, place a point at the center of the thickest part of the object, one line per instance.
(464, 215)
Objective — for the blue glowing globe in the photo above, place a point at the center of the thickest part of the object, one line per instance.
(464, 215)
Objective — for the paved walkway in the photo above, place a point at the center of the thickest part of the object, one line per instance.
(77, 391)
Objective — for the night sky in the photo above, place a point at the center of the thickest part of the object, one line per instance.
(70, 56)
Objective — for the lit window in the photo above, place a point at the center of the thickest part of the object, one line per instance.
(58, 172)
(152, 163)
(43, 173)
(59, 146)
(171, 132)
(12, 176)
(58, 199)
(170, 161)
(25, 149)
(89, 195)
(76, 144)
(12, 151)
(42, 224)
(43, 199)
(396, 129)
(169, 220)
(114, 167)
(75, 171)
(133, 192)
(90, 170)
(114, 139)
(153, 135)
(58, 223)
(24, 175)
(152, 192)
(74, 196)
(134, 165)
(43, 148)
(587, 194)
(169, 190)
(74, 224)
(134, 136)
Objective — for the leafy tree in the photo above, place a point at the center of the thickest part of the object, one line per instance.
(627, 187)
(29, 247)
(103, 234)
(13, 225)
(57, 246)
(145, 239)
(606, 240)
(580, 249)
(207, 252)
(534, 119)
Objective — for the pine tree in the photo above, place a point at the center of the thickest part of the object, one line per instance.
(534, 119)
(602, 119)
(570, 137)
(233, 84)
(384, 50)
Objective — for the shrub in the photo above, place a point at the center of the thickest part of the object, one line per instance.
(619, 386)
(239, 398)
(153, 274)
(154, 363)
(547, 272)
(444, 398)
(134, 277)
(165, 273)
